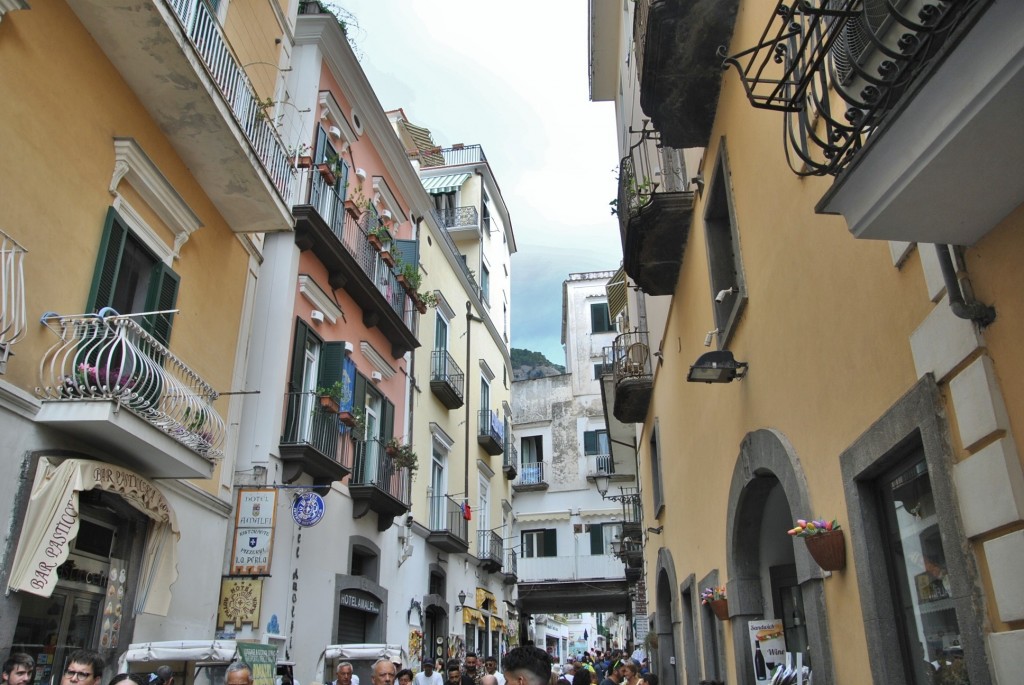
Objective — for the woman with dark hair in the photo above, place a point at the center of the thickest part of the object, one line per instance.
(132, 678)
(581, 677)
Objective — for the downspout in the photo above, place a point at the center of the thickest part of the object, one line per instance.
(979, 313)
(470, 318)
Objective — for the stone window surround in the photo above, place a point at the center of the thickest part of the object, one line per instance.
(713, 659)
(691, 658)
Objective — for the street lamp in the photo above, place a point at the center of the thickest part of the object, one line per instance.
(602, 481)
(718, 366)
(462, 599)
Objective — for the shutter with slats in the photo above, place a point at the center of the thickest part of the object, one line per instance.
(101, 294)
(596, 538)
(332, 363)
(388, 423)
(302, 331)
(162, 296)
(550, 542)
(408, 251)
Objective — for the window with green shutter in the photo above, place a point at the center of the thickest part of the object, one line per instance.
(130, 279)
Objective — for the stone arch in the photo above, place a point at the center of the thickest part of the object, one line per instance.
(767, 458)
(667, 614)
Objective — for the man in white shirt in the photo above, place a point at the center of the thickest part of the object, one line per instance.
(345, 676)
(428, 676)
(491, 667)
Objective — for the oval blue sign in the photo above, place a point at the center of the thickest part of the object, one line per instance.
(308, 509)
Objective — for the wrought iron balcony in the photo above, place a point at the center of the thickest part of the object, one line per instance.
(510, 463)
(531, 477)
(866, 52)
(341, 243)
(178, 61)
(446, 379)
(633, 376)
(490, 432)
(12, 296)
(600, 463)
(452, 156)
(680, 75)
(102, 364)
(449, 529)
(489, 549)
(458, 219)
(315, 441)
(377, 484)
(510, 571)
(654, 215)
(630, 551)
(632, 512)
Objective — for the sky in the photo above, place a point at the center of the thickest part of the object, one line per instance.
(512, 77)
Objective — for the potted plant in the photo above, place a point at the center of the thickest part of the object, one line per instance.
(715, 598)
(402, 455)
(409, 276)
(825, 542)
(332, 397)
(379, 236)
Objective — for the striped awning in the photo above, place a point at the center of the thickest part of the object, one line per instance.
(435, 185)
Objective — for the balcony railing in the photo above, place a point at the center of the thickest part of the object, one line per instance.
(374, 467)
(447, 379)
(452, 156)
(490, 432)
(206, 35)
(531, 473)
(632, 372)
(489, 549)
(632, 510)
(314, 441)
(569, 567)
(457, 218)
(510, 463)
(12, 296)
(600, 463)
(511, 567)
(449, 529)
(868, 52)
(113, 358)
(329, 202)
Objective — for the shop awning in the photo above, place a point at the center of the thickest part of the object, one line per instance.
(485, 600)
(51, 524)
(473, 616)
(497, 623)
(436, 185)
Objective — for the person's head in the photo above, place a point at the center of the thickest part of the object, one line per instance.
(488, 679)
(238, 673)
(19, 669)
(471, 662)
(454, 672)
(166, 673)
(649, 679)
(428, 667)
(526, 665)
(630, 671)
(404, 677)
(383, 672)
(132, 678)
(581, 677)
(85, 667)
(439, 665)
(491, 664)
(344, 673)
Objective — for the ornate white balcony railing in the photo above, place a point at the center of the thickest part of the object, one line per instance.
(112, 358)
(12, 296)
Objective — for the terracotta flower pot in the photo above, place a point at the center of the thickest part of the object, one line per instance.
(347, 418)
(327, 402)
(374, 240)
(327, 174)
(828, 550)
(387, 257)
(720, 607)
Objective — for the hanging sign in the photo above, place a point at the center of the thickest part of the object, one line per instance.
(308, 509)
(768, 647)
(254, 532)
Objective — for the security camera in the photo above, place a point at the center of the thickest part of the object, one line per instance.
(722, 294)
(408, 520)
(709, 336)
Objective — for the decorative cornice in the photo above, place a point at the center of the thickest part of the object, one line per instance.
(387, 198)
(331, 111)
(131, 162)
(485, 468)
(485, 369)
(377, 359)
(316, 296)
(440, 435)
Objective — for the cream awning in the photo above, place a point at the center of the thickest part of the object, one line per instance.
(435, 185)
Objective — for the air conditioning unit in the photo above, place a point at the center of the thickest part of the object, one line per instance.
(376, 377)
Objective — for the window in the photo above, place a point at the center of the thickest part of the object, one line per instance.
(440, 331)
(602, 370)
(532, 449)
(539, 543)
(485, 394)
(728, 285)
(485, 283)
(438, 486)
(659, 495)
(602, 535)
(130, 279)
(599, 320)
(595, 442)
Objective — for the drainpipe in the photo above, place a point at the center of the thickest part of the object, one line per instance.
(470, 317)
(979, 313)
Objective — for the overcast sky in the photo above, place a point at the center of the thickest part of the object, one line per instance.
(511, 76)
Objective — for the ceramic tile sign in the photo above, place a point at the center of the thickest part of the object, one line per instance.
(767, 647)
(254, 532)
(113, 605)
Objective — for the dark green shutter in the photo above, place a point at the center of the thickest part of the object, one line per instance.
(359, 394)
(597, 538)
(343, 181)
(332, 363)
(590, 443)
(162, 295)
(408, 251)
(101, 294)
(550, 542)
(302, 331)
(388, 424)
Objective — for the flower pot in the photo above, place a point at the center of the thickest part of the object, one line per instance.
(401, 281)
(721, 608)
(327, 403)
(828, 550)
(387, 257)
(421, 306)
(327, 174)
(375, 241)
(305, 162)
(353, 209)
(347, 418)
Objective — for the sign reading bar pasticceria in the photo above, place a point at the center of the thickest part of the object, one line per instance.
(254, 532)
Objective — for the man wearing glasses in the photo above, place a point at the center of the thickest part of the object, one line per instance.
(85, 667)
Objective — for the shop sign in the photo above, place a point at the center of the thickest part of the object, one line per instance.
(262, 661)
(240, 600)
(308, 509)
(767, 646)
(361, 603)
(113, 604)
(254, 532)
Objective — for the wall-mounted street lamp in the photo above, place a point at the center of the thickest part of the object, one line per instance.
(462, 601)
(718, 366)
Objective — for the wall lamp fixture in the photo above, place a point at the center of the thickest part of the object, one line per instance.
(718, 366)
(656, 531)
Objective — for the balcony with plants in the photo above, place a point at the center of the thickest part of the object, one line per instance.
(447, 380)
(315, 442)
(107, 380)
(531, 477)
(489, 550)
(381, 480)
(176, 57)
(678, 64)
(633, 376)
(654, 211)
(359, 257)
(490, 431)
(448, 525)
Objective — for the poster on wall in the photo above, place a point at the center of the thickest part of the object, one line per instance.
(262, 660)
(768, 647)
(254, 532)
(113, 605)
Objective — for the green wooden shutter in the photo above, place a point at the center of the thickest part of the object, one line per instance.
(359, 393)
(302, 331)
(597, 538)
(388, 424)
(162, 295)
(332, 363)
(550, 542)
(408, 251)
(591, 444)
(108, 261)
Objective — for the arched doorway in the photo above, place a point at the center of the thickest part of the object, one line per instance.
(770, 576)
(666, 618)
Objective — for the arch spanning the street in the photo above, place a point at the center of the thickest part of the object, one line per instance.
(767, 460)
